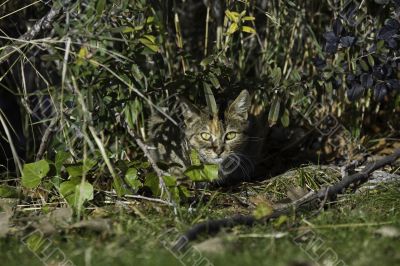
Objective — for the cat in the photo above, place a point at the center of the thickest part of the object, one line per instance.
(232, 139)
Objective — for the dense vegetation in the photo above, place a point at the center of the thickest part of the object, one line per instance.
(76, 93)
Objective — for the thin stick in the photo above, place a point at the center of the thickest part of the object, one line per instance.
(143, 198)
(206, 37)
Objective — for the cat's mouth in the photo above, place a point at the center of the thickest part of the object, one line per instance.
(216, 160)
(206, 159)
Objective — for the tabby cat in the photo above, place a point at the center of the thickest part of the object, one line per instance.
(233, 139)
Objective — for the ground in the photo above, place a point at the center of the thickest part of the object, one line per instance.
(358, 229)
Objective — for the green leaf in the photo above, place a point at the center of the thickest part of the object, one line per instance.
(276, 76)
(248, 29)
(280, 221)
(285, 118)
(33, 173)
(262, 210)
(295, 75)
(61, 157)
(76, 192)
(194, 157)
(137, 73)
(274, 111)
(232, 28)
(169, 181)
(210, 99)
(8, 192)
(214, 80)
(380, 45)
(132, 111)
(201, 173)
(364, 65)
(151, 38)
(206, 61)
(248, 18)
(149, 44)
(131, 177)
(153, 183)
(77, 170)
(371, 60)
(100, 6)
(232, 15)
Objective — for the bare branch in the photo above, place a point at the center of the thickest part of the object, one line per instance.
(48, 134)
(42, 24)
(154, 165)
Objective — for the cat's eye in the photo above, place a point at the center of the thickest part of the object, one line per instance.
(205, 136)
(230, 135)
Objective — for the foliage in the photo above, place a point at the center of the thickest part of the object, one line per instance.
(105, 64)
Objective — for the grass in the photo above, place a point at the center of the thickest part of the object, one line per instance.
(347, 231)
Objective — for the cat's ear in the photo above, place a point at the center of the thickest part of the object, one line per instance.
(239, 108)
(190, 113)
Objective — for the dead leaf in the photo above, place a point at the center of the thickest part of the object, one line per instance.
(388, 231)
(296, 193)
(7, 207)
(61, 217)
(213, 245)
(4, 223)
(97, 225)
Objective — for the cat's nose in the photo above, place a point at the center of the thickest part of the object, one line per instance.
(218, 151)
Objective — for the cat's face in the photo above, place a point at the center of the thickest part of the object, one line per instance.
(215, 139)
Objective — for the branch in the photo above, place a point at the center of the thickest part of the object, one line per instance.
(325, 194)
(153, 164)
(46, 138)
(42, 24)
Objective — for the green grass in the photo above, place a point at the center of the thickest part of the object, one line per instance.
(346, 230)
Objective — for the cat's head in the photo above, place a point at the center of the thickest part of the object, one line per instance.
(216, 138)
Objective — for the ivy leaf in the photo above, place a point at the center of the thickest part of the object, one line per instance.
(153, 183)
(8, 191)
(77, 170)
(61, 157)
(33, 173)
(201, 173)
(131, 177)
(76, 192)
